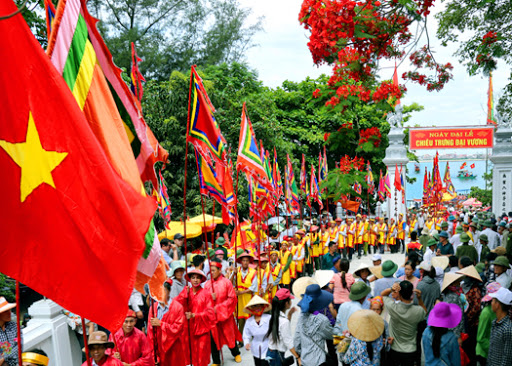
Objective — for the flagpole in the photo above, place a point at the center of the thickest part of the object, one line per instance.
(213, 222)
(237, 224)
(86, 346)
(185, 207)
(18, 324)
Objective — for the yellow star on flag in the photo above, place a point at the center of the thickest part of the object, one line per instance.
(35, 162)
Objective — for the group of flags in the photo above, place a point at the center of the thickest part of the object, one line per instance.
(472, 166)
(433, 189)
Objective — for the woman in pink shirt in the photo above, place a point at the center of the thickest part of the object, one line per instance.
(341, 283)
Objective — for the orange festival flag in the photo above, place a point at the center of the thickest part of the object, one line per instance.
(83, 224)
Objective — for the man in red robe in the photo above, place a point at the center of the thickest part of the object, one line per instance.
(198, 306)
(167, 326)
(131, 346)
(98, 344)
(224, 302)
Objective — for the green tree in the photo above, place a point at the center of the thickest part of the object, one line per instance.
(484, 195)
(483, 32)
(175, 34)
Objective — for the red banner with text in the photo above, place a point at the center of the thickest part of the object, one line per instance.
(451, 138)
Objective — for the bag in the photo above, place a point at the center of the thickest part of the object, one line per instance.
(287, 361)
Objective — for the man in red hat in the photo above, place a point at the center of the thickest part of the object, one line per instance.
(131, 345)
(201, 319)
(166, 330)
(224, 302)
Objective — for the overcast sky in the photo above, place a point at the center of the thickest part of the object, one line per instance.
(283, 54)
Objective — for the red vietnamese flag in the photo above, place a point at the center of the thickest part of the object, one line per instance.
(472, 166)
(82, 226)
(398, 181)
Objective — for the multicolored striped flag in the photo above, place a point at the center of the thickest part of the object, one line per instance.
(249, 158)
(80, 55)
(426, 184)
(50, 16)
(357, 188)
(136, 77)
(303, 178)
(450, 188)
(369, 179)
(387, 185)
(314, 189)
(490, 104)
(277, 176)
(165, 202)
(382, 191)
(294, 192)
(204, 132)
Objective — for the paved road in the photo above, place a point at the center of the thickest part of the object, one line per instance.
(247, 359)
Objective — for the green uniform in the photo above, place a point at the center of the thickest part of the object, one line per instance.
(467, 250)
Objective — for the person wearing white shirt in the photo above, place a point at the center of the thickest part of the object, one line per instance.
(279, 333)
(493, 236)
(256, 328)
(429, 253)
(455, 239)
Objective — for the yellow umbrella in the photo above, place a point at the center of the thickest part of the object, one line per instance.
(207, 218)
(175, 227)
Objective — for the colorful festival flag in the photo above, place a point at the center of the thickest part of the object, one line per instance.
(50, 16)
(165, 202)
(387, 185)
(135, 76)
(395, 82)
(450, 189)
(369, 179)
(463, 165)
(314, 189)
(59, 182)
(490, 104)
(357, 187)
(204, 132)
(80, 55)
(249, 158)
(277, 176)
(303, 178)
(75, 37)
(294, 192)
(382, 190)
(425, 187)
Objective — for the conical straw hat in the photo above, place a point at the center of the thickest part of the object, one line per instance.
(299, 286)
(376, 271)
(366, 325)
(470, 271)
(323, 277)
(441, 262)
(449, 278)
(256, 300)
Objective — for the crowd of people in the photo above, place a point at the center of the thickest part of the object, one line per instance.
(448, 303)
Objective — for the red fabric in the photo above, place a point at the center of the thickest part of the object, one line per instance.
(414, 246)
(134, 348)
(107, 361)
(226, 332)
(199, 327)
(170, 336)
(55, 212)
